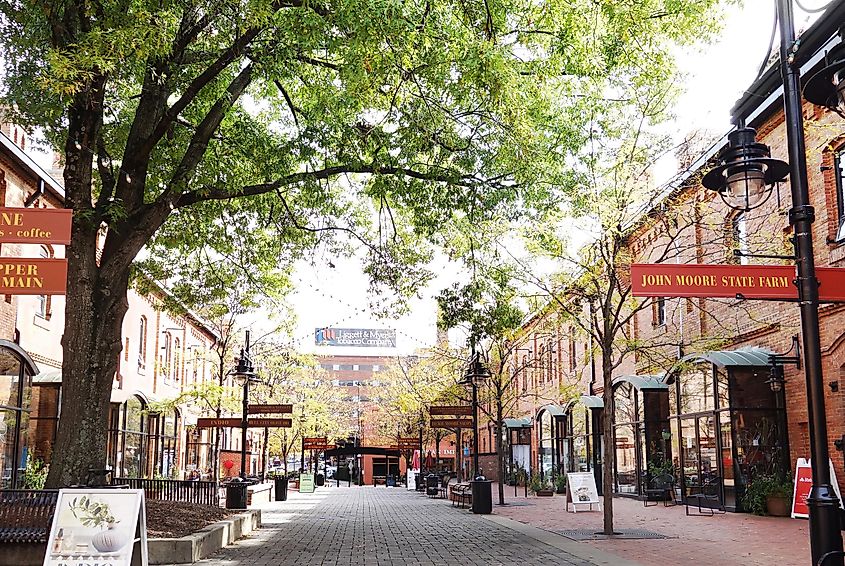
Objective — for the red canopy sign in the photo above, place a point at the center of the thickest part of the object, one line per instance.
(33, 276)
(35, 225)
(728, 281)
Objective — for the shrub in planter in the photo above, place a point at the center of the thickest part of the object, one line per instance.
(560, 483)
(768, 494)
(541, 488)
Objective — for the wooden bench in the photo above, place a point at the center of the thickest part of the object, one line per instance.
(26, 515)
(379, 480)
(461, 494)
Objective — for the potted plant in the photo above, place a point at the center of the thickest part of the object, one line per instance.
(540, 487)
(768, 494)
(560, 483)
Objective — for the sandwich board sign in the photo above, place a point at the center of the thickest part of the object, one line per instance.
(802, 486)
(581, 490)
(306, 483)
(97, 526)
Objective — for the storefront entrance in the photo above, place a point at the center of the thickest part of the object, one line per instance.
(728, 424)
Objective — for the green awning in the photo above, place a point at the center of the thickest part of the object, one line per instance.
(747, 356)
(51, 376)
(592, 401)
(553, 410)
(643, 382)
(524, 422)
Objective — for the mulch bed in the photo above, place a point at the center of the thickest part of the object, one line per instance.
(170, 519)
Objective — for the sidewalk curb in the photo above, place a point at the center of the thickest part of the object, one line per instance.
(205, 541)
(575, 548)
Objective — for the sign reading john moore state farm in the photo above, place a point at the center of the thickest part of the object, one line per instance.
(356, 337)
(728, 281)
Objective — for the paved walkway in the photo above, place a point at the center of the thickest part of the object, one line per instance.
(733, 538)
(395, 527)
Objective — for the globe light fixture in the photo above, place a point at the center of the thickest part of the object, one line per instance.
(827, 87)
(744, 177)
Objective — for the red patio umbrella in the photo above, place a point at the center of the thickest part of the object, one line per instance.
(415, 460)
(429, 460)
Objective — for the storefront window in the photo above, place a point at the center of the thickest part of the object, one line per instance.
(16, 370)
(546, 444)
(730, 427)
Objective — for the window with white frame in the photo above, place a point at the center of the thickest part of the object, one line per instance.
(839, 174)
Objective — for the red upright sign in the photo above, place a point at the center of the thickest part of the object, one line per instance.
(20, 276)
(35, 225)
(803, 485)
(728, 281)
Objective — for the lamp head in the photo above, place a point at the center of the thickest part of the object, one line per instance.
(827, 87)
(745, 171)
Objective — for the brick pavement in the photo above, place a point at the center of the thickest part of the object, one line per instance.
(392, 527)
(733, 538)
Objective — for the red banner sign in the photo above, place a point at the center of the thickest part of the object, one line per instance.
(236, 423)
(451, 423)
(450, 410)
(20, 276)
(803, 485)
(269, 409)
(315, 443)
(728, 281)
(35, 225)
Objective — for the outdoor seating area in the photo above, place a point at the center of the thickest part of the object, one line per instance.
(707, 498)
(660, 488)
(26, 515)
(461, 495)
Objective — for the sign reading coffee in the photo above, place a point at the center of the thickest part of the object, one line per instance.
(35, 225)
(730, 281)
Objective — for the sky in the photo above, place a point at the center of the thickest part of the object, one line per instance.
(715, 77)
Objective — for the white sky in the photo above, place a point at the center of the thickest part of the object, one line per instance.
(715, 78)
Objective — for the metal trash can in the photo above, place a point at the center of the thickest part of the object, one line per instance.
(236, 494)
(320, 480)
(431, 482)
(482, 497)
(281, 487)
(418, 484)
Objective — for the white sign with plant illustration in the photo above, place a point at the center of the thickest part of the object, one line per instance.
(97, 526)
(581, 490)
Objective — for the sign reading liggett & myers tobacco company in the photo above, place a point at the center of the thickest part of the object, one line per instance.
(357, 337)
(729, 281)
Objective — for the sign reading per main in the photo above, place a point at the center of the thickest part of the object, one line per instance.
(749, 281)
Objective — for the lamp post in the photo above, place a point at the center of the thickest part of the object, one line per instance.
(741, 179)
(244, 372)
(475, 372)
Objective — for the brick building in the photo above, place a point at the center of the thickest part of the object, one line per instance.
(162, 355)
(701, 399)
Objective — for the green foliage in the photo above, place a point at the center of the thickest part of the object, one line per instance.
(762, 486)
(90, 512)
(35, 473)
(560, 483)
(539, 484)
(660, 467)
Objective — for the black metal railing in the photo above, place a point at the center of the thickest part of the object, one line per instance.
(187, 491)
(25, 515)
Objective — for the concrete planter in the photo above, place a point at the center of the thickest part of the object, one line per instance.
(204, 542)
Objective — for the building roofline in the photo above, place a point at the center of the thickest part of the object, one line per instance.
(25, 161)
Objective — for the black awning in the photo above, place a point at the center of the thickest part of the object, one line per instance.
(364, 450)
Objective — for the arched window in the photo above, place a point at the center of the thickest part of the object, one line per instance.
(177, 360)
(142, 343)
(44, 307)
(16, 370)
(168, 355)
(167, 444)
(132, 439)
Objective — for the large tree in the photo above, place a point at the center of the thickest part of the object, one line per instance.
(266, 122)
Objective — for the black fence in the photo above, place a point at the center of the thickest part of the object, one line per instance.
(187, 491)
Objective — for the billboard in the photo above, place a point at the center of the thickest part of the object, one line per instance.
(355, 337)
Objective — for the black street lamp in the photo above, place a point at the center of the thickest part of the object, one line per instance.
(244, 372)
(827, 87)
(745, 172)
(475, 373)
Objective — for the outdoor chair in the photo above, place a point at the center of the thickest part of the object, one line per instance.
(661, 487)
(710, 495)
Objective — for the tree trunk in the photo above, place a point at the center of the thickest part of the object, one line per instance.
(607, 445)
(91, 345)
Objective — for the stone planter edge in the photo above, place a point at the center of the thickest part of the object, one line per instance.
(203, 542)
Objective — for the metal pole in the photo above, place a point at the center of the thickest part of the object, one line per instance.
(822, 502)
(474, 429)
(245, 413)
